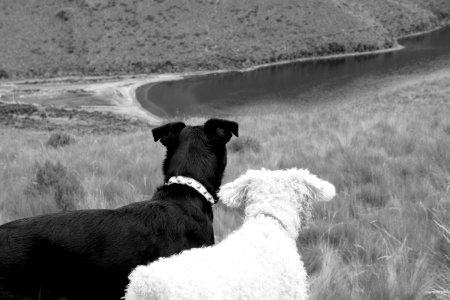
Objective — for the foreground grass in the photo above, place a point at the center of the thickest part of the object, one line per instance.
(385, 236)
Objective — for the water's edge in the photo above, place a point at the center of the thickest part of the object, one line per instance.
(141, 91)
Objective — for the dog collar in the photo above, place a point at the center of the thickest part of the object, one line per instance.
(193, 184)
(270, 216)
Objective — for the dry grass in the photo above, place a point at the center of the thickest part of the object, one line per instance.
(385, 236)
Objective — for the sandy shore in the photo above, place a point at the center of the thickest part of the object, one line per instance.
(115, 95)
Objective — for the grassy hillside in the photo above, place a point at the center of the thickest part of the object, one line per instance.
(71, 37)
(385, 236)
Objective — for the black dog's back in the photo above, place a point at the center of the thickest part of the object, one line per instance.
(88, 254)
(99, 247)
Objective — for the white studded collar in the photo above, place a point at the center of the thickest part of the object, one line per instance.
(193, 184)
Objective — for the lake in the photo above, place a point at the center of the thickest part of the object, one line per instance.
(215, 93)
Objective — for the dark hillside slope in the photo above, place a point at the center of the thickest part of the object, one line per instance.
(70, 37)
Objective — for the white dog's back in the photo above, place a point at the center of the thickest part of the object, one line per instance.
(260, 254)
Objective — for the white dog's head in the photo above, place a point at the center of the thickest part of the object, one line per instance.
(287, 195)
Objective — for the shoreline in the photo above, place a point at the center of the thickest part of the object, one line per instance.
(181, 76)
(120, 91)
(396, 47)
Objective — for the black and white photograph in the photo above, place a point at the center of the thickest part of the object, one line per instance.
(224, 149)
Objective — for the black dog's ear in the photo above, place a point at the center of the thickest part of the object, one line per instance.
(222, 128)
(159, 133)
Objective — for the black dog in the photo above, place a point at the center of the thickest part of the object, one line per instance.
(88, 254)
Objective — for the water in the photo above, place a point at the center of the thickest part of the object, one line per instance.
(218, 92)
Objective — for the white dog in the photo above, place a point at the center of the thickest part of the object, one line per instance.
(259, 260)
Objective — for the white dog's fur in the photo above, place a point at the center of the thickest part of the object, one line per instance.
(258, 261)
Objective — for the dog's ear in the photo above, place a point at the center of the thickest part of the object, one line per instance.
(164, 131)
(223, 129)
(234, 194)
(318, 189)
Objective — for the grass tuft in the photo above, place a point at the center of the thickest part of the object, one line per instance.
(372, 195)
(59, 140)
(54, 181)
(243, 144)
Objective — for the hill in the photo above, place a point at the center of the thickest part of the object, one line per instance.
(50, 38)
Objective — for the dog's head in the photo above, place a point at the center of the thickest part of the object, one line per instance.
(198, 152)
(287, 195)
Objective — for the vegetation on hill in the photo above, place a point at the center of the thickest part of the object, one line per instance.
(78, 37)
(49, 118)
(385, 236)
